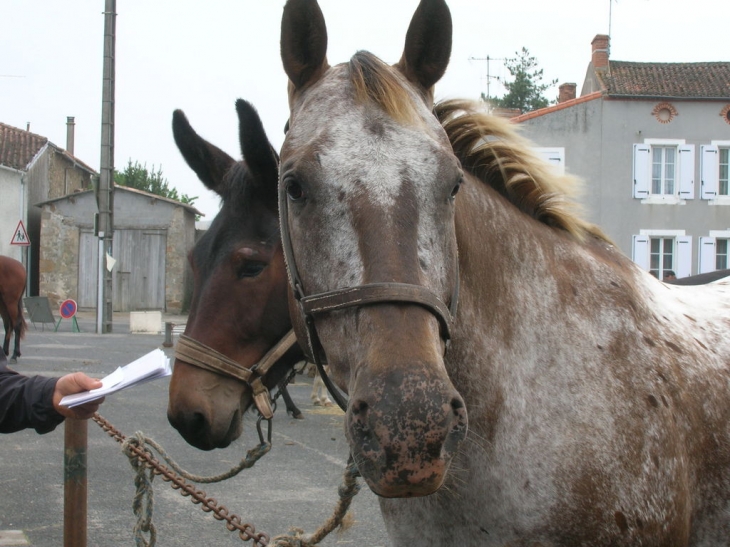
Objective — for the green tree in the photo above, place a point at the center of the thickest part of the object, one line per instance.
(139, 177)
(526, 90)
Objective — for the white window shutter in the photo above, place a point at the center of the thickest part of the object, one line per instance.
(641, 251)
(687, 171)
(642, 170)
(555, 157)
(707, 254)
(709, 170)
(684, 256)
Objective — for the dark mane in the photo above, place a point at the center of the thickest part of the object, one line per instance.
(236, 187)
(240, 207)
(490, 149)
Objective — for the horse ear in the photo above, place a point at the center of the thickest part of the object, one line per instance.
(260, 157)
(208, 161)
(428, 44)
(303, 42)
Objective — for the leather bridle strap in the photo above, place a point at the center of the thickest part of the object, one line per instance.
(192, 352)
(373, 293)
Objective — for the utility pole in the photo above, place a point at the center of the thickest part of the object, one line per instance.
(105, 189)
(489, 76)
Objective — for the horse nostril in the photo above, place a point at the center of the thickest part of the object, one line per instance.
(360, 409)
(459, 412)
(197, 422)
(359, 414)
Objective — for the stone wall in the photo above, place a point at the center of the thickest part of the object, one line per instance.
(58, 264)
(65, 178)
(177, 279)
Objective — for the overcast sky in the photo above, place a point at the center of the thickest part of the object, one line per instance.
(202, 56)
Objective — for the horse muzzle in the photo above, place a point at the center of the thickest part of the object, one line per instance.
(204, 407)
(404, 431)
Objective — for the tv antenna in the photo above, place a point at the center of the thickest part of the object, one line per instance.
(488, 59)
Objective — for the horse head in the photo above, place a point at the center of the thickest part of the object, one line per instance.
(239, 305)
(367, 190)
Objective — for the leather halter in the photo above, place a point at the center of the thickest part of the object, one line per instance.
(195, 353)
(362, 295)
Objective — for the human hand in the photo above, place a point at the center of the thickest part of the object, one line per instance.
(76, 383)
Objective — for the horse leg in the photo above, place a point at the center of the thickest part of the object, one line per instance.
(319, 391)
(326, 401)
(291, 408)
(18, 334)
(8, 331)
(315, 389)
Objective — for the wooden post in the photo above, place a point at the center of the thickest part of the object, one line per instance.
(168, 334)
(74, 486)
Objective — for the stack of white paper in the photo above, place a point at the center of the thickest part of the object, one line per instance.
(148, 367)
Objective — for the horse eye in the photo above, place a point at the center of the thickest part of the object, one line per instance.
(250, 268)
(294, 191)
(455, 189)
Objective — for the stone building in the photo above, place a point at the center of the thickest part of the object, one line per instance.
(152, 236)
(651, 141)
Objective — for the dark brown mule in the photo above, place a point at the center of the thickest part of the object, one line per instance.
(597, 396)
(12, 287)
(239, 300)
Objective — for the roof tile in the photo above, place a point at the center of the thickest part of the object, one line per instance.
(19, 147)
(668, 80)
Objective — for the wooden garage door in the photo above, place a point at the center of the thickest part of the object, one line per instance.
(138, 276)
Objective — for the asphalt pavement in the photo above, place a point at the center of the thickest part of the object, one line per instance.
(294, 485)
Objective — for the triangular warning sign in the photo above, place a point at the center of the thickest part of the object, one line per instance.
(20, 236)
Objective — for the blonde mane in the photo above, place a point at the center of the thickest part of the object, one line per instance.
(377, 82)
(490, 149)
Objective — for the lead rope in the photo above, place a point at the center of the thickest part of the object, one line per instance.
(340, 517)
(146, 466)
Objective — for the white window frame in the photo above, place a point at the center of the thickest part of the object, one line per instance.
(684, 172)
(554, 155)
(710, 172)
(706, 258)
(641, 249)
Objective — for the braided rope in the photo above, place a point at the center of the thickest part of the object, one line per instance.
(143, 502)
(252, 456)
(142, 459)
(347, 490)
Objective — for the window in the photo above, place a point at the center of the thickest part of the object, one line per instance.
(715, 171)
(721, 254)
(662, 251)
(713, 254)
(664, 171)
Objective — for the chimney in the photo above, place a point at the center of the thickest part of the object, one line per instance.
(566, 92)
(70, 134)
(599, 51)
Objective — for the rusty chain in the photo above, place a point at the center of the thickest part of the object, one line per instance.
(246, 532)
(140, 456)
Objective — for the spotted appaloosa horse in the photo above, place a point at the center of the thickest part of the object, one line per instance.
(239, 298)
(597, 396)
(12, 286)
